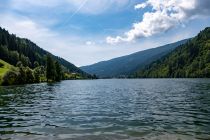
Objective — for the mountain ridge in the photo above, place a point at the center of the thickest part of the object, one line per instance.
(125, 65)
(14, 49)
(190, 60)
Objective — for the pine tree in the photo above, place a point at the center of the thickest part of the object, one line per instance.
(50, 72)
(36, 64)
(58, 71)
(29, 75)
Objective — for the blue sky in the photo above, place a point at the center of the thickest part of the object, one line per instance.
(88, 31)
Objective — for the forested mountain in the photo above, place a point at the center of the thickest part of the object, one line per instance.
(191, 60)
(126, 65)
(14, 49)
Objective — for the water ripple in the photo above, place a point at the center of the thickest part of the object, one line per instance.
(107, 109)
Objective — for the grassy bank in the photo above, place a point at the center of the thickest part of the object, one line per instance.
(4, 68)
(11, 75)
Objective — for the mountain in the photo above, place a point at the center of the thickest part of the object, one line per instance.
(190, 60)
(125, 65)
(14, 49)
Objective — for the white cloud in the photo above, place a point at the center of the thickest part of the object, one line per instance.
(74, 48)
(89, 43)
(80, 49)
(44, 37)
(140, 6)
(25, 27)
(165, 14)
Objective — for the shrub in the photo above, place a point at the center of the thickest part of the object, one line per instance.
(1, 65)
(10, 78)
(29, 75)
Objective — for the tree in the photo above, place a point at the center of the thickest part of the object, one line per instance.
(59, 73)
(208, 56)
(22, 77)
(1, 64)
(37, 74)
(36, 64)
(94, 76)
(190, 60)
(10, 78)
(25, 60)
(29, 75)
(19, 64)
(4, 53)
(14, 57)
(50, 70)
(14, 49)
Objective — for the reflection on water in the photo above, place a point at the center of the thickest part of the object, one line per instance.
(107, 109)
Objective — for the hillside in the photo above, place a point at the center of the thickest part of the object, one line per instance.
(123, 66)
(14, 49)
(4, 68)
(191, 60)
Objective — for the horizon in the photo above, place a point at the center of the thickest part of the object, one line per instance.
(86, 32)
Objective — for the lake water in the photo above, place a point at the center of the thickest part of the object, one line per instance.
(159, 109)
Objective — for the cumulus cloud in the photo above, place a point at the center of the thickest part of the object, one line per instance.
(165, 15)
(66, 46)
(73, 48)
(25, 27)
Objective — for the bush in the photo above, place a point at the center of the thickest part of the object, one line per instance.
(1, 65)
(29, 75)
(10, 78)
(22, 79)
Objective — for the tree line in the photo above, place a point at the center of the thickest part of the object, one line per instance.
(25, 75)
(190, 60)
(14, 49)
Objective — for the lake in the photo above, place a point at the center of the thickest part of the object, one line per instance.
(115, 109)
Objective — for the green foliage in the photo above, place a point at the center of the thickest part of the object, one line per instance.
(1, 65)
(59, 73)
(126, 65)
(29, 75)
(14, 49)
(37, 74)
(50, 70)
(10, 78)
(190, 60)
(19, 64)
(53, 70)
(10, 75)
(36, 64)
(25, 60)
(4, 69)
(22, 77)
(72, 76)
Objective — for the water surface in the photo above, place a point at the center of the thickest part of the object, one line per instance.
(144, 109)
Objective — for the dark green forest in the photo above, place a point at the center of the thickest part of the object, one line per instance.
(190, 60)
(126, 65)
(33, 61)
(22, 61)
